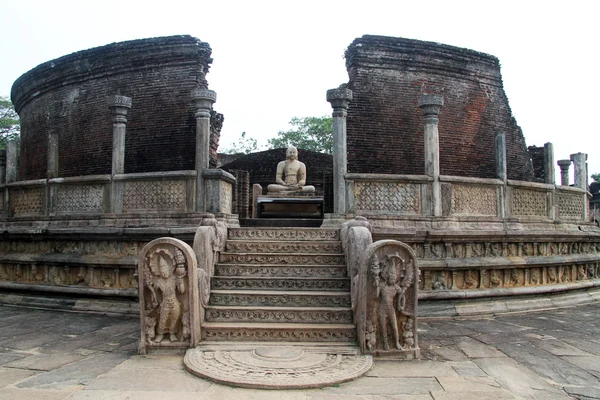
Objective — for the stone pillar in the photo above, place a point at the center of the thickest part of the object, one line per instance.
(579, 161)
(500, 148)
(2, 166)
(549, 163)
(501, 170)
(119, 105)
(339, 99)
(203, 100)
(12, 151)
(431, 104)
(564, 171)
(52, 168)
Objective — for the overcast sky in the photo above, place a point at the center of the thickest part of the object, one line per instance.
(275, 59)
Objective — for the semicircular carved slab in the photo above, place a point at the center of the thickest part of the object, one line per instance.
(168, 291)
(387, 314)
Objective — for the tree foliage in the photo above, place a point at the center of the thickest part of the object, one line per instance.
(10, 127)
(596, 177)
(244, 145)
(308, 133)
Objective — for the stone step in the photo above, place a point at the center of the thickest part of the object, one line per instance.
(282, 258)
(263, 246)
(262, 298)
(324, 315)
(284, 234)
(316, 271)
(273, 283)
(248, 331)
(282, 222)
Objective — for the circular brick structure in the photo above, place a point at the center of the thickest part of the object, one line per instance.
(68, 97)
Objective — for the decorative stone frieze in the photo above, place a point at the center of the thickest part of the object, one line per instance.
(474, 200)
(284, 259)
(154, 195)
(82, 277)
(528, 203)
(29, 201)
(302, 234)
(79, 199)
(387, 197)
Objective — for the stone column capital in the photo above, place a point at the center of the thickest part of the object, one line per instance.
(119, 105)
(431, 104)
(564, 164)
(339, 98)
(203, 100)
(579, 157)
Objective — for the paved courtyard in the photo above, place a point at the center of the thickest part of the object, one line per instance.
(53, 355)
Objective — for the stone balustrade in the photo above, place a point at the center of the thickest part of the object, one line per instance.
(379, 196)
(141, 193)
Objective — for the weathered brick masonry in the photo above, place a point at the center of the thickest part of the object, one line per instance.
(385, 124)
(69, 96)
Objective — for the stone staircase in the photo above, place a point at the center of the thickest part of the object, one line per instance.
(280, 284)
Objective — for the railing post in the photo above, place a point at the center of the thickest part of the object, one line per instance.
(119, 105)
(203, 100)
(339, 99)
(431, 104)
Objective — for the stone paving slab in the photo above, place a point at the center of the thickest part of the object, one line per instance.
(10, 376)
(44, 362)
(387, 386)
(34, 394)
(549, 355)
(405, 369)
(78, 373)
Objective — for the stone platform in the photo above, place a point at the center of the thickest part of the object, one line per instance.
(277, 365)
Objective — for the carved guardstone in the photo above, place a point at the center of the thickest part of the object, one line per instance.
(387, 309)
(168, 291)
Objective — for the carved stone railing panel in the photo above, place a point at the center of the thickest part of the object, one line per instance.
(79, 199)
(570, 206)
(473, 200)
(528, 203)
(393, 197)
(154, 195)
(27, 201)
(386, 313)
(168, 293)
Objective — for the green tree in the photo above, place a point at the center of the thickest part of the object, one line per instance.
(308, 133)
(596, 177)
(245, 145)
(9, 122)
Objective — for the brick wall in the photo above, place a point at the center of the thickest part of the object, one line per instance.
(537, 160)
(385, 124)
(69, 96)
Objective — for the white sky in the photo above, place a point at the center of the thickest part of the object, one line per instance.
(275, 59)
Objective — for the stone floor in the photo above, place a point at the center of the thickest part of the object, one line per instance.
(540, 355)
